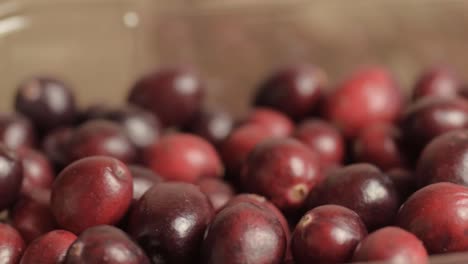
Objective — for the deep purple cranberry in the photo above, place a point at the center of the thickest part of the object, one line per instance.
(143, 180)
(11, 245)
(16, 131)
(55, 146)
(276, 123)
(38, 173)
(11, 177)
(51, 248)
(214, 126)
(438, 81)
(218, 191)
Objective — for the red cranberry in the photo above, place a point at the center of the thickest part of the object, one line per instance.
(173, 95)
(101, 137)
(404, 182)
(295, 90)
(368, 96)
(50, 248)
(55, 146)
(327, 234)
(362, 188)
(169, 222)
(90, 192)
(379, 144)
(183, 157)
(11, 245)
(47, 102)
(214, 126)
(217, 191)
(276, 123)
(436, 214)
(11, 177)
(438, 82)
(105, 244)
(16, 131)
(244, 233)
(37, 170)
(283, 170)
(323, 139)
(143, 180)
(391, 244)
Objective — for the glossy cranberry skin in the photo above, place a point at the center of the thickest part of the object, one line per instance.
(183, 157)
(51, 248)
(436, 215)
(404, 182)
(244, 233)
(218, 191)
(55, 146)
(49, 103)
(37, 170)
(380, 144)
(438, 81)
(362, 188)
(11, 245)
(16, 131)
(173, 95)
(391, 244)
(276, 123)
(323, 139)
(282, 170)
(143, 180)
(327, 234)
(92, 191)
(214, 126)
(11, 177)
(294, 90)
(368, 96)
(101, 138)
(169, 222)
(105, 244)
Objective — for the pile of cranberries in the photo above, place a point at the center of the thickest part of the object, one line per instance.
(357, 172)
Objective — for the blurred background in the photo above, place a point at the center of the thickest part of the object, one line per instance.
(102, 46)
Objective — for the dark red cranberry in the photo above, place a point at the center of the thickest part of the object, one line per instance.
(55, 146)
(323, 139)
(430, 117)
(276, 123)
(436, 214)
(49, 103)
(283, 170)
(143, 179)
(51, 248)
(437, 82)
(404, 182)
(327, 234)
(169, 222)
(362, 188)
(295, 90)
(16, 131)
(90, 192)
(11, 177)
(244, 233)
(380, 144)
(101, 137)
(105, 244)
(214, 126)
(37, 170)
(368, 96)
(11, 245)
(391, 244)
(183, 157)
(173, 95)
(444, 160)
(217, 191)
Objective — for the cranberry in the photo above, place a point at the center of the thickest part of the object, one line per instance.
(379, 144)
(404, 182)
(11, 245)
(101, 137)
(93, 112)
(50, 248)
(368, 96)
(438, 82)
(16, 131)
(173, 95)
(327, 234)
(105, 244)
(217, 191)
(37, 170)
(362, 188)
(244, 233)
(143, 179)
(283, 170)
(391, 244)
(214, 126)
(276, 123)
(11, 177)
(55, 146)
(183, 157)
(295, 90)
(436, 214)
(323, 139)
(169, 222)
(90, 192)
(49, 103)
